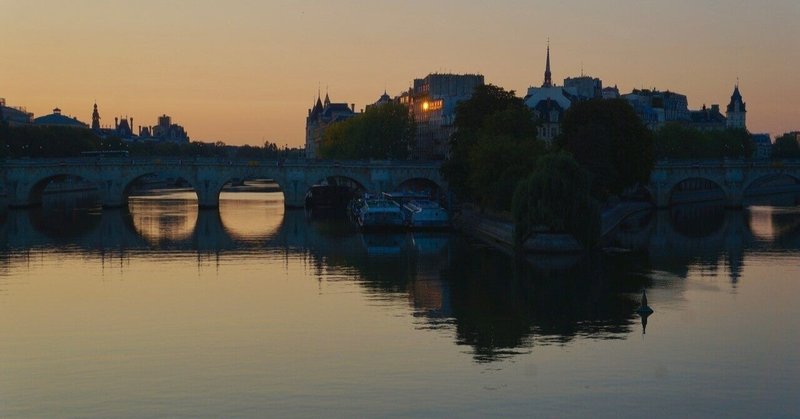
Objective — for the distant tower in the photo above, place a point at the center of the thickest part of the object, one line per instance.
(548, 80)
(736, 110)
(95, 119)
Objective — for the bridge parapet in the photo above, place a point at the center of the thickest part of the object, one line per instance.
(25, 179)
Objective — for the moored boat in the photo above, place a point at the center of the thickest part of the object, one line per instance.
(378, 214)
(424, 213)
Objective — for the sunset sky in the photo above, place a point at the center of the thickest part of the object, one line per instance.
(247, 71)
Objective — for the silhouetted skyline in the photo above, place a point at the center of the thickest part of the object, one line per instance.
(245, 72)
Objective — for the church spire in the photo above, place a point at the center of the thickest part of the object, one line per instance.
(95, 119)
(548, 82)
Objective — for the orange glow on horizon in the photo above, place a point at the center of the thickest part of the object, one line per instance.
(248, 72)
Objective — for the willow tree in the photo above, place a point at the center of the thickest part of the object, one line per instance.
(557, 197)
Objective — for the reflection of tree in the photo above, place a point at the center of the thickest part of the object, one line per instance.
(499, 306)
(697, 220)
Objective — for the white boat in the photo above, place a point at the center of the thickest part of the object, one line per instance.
(423, 213)
(376, 214)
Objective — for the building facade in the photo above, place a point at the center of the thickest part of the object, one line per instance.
(550, 102)
(319, 118)
(432, 102)
(656, 108)
(736, 112)
(14, 116)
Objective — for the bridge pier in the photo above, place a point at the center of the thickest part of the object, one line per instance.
(20, 195)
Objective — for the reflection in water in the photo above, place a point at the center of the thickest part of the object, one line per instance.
(710, 237)
(496, 304)
(173, 220)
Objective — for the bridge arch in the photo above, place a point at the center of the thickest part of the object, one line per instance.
(694, 188)
(65, 180)
(118, 193)
(212, 186)
(770, 183)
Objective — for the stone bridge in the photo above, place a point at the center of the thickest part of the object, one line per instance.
(733, 180)
(24, 180)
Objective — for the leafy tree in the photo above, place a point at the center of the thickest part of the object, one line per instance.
(557, 195)
(681, 142)
(381, 132)
(608, 139)
(38, 141)
(786, 147)
(505, 152)
(494, 146)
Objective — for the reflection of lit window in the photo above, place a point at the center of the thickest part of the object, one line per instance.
(425, 106)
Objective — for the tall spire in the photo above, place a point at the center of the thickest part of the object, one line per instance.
(95, 118)
(548, 82)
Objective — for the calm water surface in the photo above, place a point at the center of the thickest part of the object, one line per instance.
(253, 310)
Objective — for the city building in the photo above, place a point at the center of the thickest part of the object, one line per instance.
(165, 131)
(432, 102)
(610, 93)
(549, 102)
(584, 87)
(56, 119)
(707, 119)
(384, 99)
(656, 108)
(736, 111)
(320, 117)
(763, 145)
(14, 116)
(123, 129)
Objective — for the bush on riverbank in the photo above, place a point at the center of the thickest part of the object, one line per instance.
(557, 196)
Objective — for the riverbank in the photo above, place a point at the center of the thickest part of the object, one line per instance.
(498, 229)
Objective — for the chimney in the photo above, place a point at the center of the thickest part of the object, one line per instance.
(353, 107)
(131, 125)
(116, 122)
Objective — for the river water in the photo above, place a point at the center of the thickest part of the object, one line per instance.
(257, 311)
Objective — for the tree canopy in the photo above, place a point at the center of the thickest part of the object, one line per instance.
(494, 146)
(39, 141)
(786, 147)
(557, 196)
(608, 139)
(677, 141)
(382, 132)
